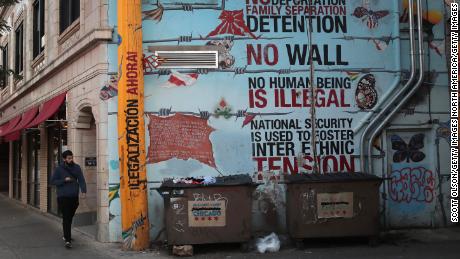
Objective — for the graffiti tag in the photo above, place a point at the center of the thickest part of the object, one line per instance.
(213, 197)
(412, 185)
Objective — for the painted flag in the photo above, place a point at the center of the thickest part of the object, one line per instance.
(152, 62)
(380, 44)
(248, 119)
(353, 75)
(177, 79)
(438, 48)
(181, 137)
(404, 17)
(114, 192)
(372, 22)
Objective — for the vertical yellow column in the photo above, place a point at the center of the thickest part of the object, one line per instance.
(131, 129)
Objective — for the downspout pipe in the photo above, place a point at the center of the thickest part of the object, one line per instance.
(395, 96)
(407, 97)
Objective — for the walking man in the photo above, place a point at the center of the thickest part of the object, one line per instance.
(68, 179)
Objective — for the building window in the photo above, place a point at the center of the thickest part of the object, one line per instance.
(5, 67)
(39, 27)
(69, 11)
(19, 49)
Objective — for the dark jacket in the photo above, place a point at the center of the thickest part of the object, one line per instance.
(68, 189)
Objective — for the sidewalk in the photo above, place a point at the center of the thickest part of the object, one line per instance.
(28, 234)
(25, 233)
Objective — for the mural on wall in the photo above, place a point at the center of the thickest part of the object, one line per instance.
(271, 58)
(251, 114)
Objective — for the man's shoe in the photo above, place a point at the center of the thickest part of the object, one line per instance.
(68, 245)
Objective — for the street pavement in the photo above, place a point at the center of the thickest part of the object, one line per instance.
(25, 233)
(28, 234)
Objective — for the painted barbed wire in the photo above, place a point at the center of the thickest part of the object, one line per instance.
(190, 38)
(189, 7)
(165, 112)
(248, 116)
(177, 6)
(383, 38)
(244, 70)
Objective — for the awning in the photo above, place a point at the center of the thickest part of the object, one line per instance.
(13, 136)
(3, 127)
(27, 117)
(10, 125)
(48, 109)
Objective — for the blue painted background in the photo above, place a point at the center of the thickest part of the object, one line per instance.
(230, 142)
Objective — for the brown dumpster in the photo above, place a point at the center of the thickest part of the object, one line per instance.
(215, 213)
(332, 205)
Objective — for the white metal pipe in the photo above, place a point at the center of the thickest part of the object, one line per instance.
(391, 103)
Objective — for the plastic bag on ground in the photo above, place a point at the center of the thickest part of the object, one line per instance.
(270, 244)
(207, 180)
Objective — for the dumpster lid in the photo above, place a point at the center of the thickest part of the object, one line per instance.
(331, 177)
(230, 180)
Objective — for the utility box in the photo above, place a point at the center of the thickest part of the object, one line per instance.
(204, 214)
(332, 205)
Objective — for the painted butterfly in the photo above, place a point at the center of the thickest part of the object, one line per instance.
(408, 152)
(370, 16)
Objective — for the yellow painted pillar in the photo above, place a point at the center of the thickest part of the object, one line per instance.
(131, 129)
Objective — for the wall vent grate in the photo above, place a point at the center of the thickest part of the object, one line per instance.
(187, 59)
